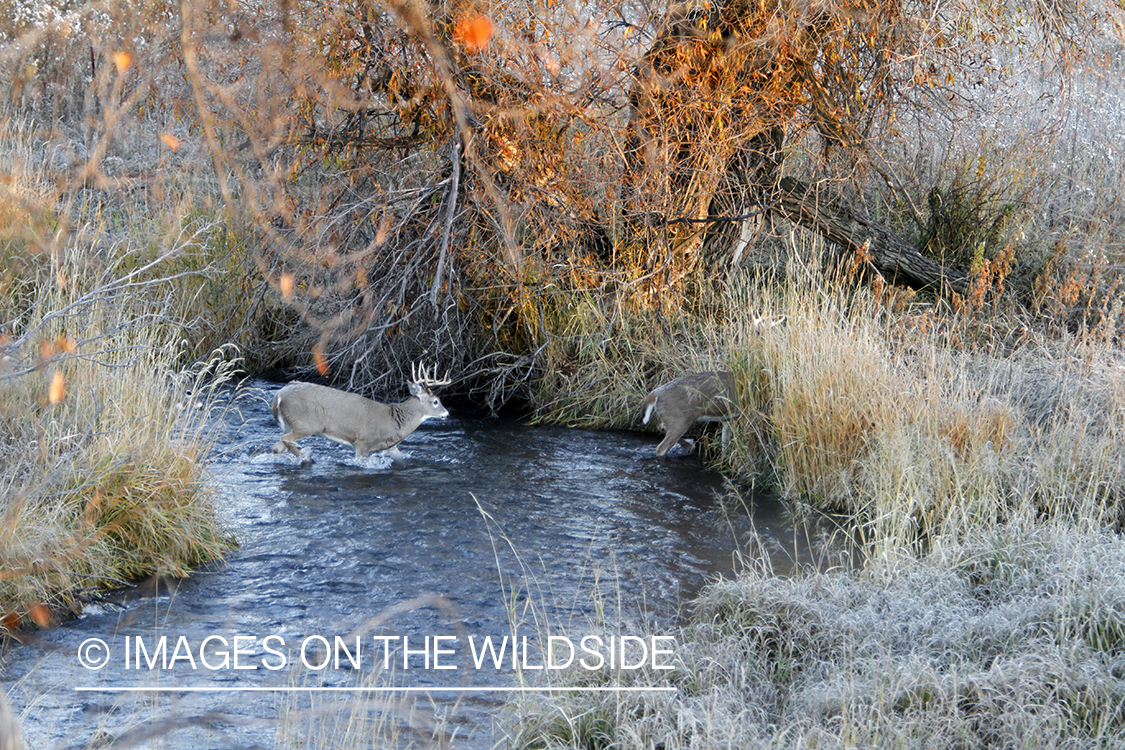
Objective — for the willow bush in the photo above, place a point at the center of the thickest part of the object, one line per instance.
(422, 180)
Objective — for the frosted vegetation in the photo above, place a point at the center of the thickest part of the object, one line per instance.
(566, 205)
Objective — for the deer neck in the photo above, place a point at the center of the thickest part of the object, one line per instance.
(405, 413)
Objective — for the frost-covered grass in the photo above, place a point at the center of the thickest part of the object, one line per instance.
(102, 477)
(1011, 639)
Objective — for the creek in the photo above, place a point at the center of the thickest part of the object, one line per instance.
(484, 529)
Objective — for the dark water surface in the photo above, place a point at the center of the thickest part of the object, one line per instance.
(483, 528)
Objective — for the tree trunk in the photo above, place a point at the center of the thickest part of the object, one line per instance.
(712, 100)
(893, 256)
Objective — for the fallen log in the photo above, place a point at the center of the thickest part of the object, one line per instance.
(894, 257)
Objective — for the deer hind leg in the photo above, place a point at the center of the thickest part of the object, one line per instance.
(673, 433)
(291, 435)
(665, 446)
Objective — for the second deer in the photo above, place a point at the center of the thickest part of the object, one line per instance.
(304, 409)
(678, 404)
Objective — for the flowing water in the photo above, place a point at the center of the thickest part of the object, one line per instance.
(482, 530)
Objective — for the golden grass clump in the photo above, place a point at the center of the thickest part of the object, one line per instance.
(832, 389)
(104, 486)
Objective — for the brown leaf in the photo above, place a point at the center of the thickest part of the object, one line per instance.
(171, 141)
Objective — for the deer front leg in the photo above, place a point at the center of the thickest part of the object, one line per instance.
(288, 442)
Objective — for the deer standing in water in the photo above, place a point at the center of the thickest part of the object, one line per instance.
(698, 397)
(304, 409)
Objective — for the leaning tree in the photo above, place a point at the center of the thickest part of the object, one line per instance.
(729, 90)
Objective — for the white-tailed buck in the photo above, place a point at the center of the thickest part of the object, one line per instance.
(698, 397)
(304, 409)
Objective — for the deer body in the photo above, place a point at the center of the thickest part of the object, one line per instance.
(304, 409)
(698, 397)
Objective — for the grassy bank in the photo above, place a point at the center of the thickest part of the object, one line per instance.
(104, 479)
(919, 425)
(915, 422)
(102, 473)
(1012, 638)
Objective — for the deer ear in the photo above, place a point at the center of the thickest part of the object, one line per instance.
(417, 390)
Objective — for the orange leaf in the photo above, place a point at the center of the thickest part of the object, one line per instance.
(321, 361)
(122, 60)
(286, 284)
(40, 614)
(57, 392)
(474, 33)
(171, 141)
(10, 622)
(64, 343)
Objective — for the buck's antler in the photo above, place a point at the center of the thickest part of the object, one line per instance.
(422, 376)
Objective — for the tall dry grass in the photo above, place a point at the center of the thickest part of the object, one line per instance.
(856, 406)
(103, 475)
(157, 233)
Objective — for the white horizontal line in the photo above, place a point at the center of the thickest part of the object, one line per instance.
(284, 689)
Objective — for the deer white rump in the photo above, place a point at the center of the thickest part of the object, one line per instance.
(304, 409)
